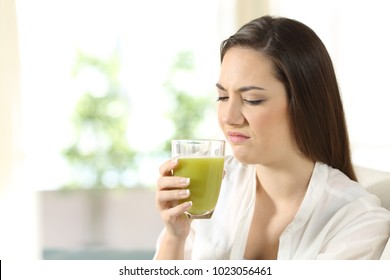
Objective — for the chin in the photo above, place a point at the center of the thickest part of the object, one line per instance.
(246, 158)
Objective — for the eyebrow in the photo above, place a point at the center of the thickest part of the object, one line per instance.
(241, 89)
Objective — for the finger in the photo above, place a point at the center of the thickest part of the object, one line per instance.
(173, 213)
(168, 183)
(172, 195)
(167, 167)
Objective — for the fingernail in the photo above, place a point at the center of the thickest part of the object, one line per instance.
(184, 181)
(184, 193)
(187, 205)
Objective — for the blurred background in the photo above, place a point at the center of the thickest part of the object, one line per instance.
(92, 92)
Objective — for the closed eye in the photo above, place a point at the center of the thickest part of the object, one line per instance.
(253, 102)
(222, 98)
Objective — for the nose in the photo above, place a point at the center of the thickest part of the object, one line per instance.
(230, 113)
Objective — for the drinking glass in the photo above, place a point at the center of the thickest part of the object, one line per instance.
(202, 161)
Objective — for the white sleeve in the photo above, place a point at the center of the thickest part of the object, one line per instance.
(362, 239)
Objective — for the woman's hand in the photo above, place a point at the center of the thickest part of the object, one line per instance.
(170, 190)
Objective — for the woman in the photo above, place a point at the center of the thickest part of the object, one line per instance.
(289, 191)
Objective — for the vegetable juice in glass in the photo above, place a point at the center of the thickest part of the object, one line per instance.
(202, 161)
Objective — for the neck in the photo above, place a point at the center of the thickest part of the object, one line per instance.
(286, 182)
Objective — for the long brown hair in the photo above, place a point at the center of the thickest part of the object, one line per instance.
(302, 63)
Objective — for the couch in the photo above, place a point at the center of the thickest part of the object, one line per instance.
(378, 183)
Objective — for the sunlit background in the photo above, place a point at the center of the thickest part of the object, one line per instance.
(93, 91)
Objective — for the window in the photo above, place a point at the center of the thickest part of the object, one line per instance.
(148, 36)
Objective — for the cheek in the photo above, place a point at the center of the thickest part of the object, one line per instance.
(270, 122)
(260, 124)
(220, 113)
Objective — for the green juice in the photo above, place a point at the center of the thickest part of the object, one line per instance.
(206, 177)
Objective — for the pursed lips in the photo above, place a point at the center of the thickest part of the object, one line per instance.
(237, 137)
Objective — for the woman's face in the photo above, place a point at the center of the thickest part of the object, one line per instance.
(253, 108)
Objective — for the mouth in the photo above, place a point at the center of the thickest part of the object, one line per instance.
(237, 137)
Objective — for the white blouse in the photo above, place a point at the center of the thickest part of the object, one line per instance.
(338, 219)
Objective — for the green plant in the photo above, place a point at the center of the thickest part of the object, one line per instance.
(188, 110)
(100, 155)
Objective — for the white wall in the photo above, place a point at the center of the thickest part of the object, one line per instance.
(18, 215)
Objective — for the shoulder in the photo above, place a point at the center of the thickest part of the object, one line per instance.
(336, 183)
(334, 195)
(348, 216)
